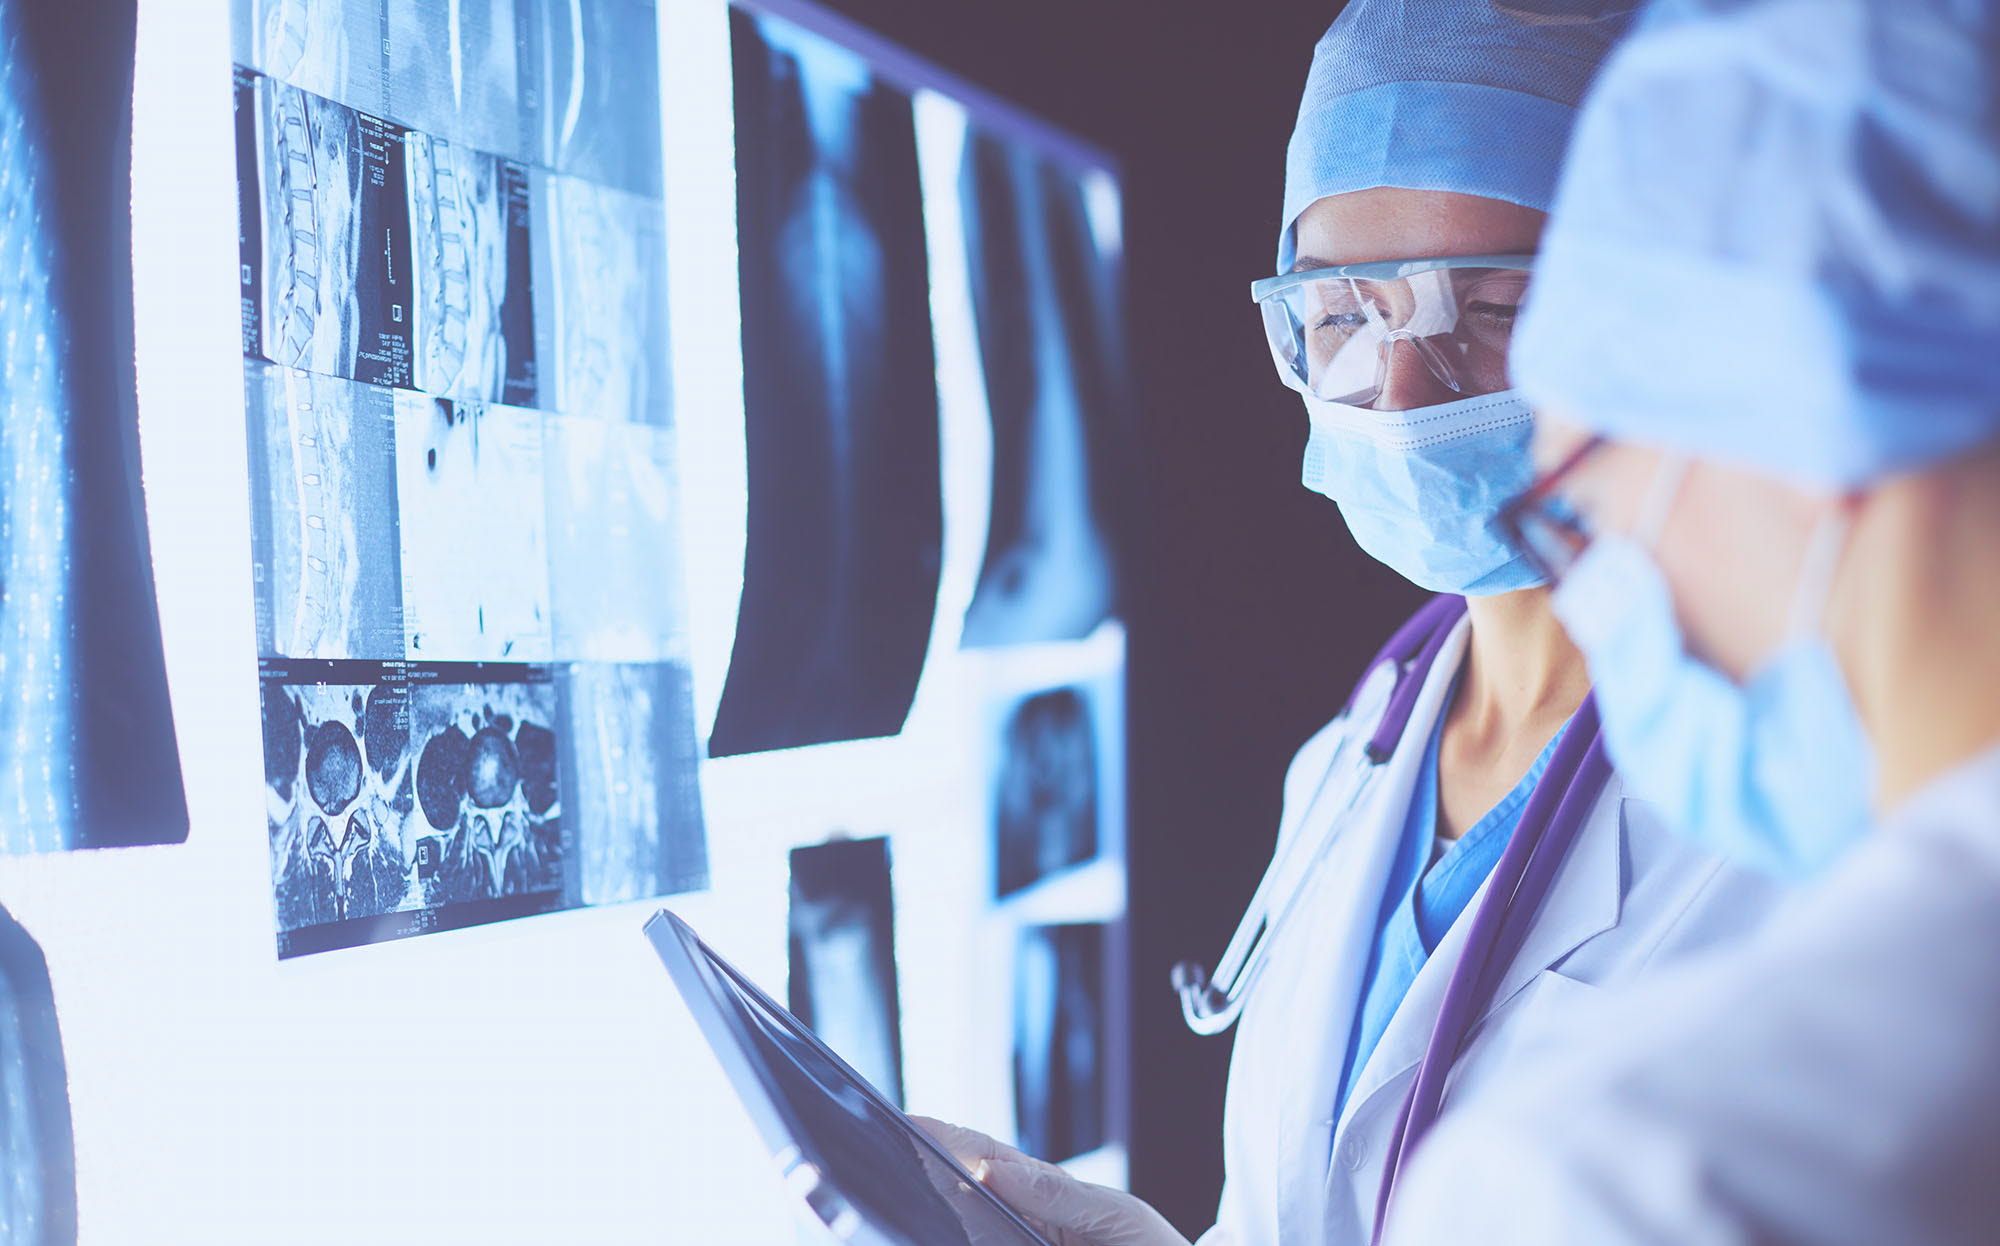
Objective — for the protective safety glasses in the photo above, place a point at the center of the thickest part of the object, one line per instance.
(1542, 525)
(1341, 334)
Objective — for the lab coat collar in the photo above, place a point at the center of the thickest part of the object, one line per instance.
(1584, 901)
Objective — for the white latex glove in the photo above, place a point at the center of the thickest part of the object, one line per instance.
(1066, 1211)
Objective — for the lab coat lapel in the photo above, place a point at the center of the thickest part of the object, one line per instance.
(1584, 901)
(1326, 952)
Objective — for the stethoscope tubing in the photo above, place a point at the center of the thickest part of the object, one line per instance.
(1411, 652)
(1557, 810)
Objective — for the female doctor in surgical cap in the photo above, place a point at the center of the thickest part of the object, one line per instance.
(1417, 180)
(1768, 328)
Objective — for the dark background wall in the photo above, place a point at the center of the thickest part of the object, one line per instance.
(1251, 611)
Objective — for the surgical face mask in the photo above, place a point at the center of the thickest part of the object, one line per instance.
(1419, 489)
(1775, 773)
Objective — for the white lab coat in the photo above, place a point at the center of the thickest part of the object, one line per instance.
(1835, 1079)
(1628, 894)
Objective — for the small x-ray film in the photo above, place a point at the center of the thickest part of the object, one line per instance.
(843, 956)
(452, 69)
(332, 48)
(1046, 788)
(1061, 1066)
(590, 77)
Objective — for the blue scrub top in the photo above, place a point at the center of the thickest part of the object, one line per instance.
(1420, 904)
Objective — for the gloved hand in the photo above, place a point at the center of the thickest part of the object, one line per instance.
(1066, 1211)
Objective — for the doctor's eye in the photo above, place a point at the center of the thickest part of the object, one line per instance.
(1499, 314)
(1342, 323)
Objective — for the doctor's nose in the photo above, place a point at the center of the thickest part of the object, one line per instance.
(1408, 381)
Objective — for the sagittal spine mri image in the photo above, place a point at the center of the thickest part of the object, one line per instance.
(88, 756)
(472, 631)
(840, 399)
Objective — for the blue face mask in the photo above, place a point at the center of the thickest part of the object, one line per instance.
(1419, 489)
(1775, 773)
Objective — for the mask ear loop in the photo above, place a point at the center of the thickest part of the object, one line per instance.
(1668, 476)
(1817, 570)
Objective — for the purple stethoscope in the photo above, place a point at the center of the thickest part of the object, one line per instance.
(1555, 813)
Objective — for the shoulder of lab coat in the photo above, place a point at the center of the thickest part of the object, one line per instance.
(1831, 1079)
(1309, 764)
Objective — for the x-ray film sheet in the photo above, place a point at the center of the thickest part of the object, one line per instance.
(636, 813)
(406, 798)
(475, 555)
(843, 956)
(840, 395)
(324, 531)
(615, 575)
(474, 320)
(38, 1159)
(1043, 303)
(88, 756)
(1045, 790)
(331, 202)
(1060, 1050)
(600, 314)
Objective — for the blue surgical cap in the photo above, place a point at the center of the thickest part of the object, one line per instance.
(1472, 96)
(1777, 242)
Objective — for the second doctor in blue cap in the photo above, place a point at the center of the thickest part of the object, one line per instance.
(1769, 344)
(1417, 179)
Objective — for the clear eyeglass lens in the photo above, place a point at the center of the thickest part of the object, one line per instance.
(1334, 337)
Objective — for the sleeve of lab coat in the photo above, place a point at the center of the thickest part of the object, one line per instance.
(1829, 1079)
